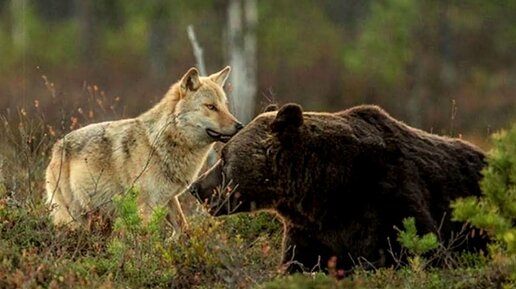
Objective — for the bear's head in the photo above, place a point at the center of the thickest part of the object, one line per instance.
(276, 157)
(246, 177)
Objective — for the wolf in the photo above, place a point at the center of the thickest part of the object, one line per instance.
(158, 153)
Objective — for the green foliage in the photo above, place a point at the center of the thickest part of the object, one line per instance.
(460, 278)
(135, 251)
(495, 210)
(251, 226)
(416, 245)
(48, 43)
(473, 272)
(127, 211)
(35, 254)
(144, 255)
(286, 24)
(215, 249)
(384, 47)
(135, 255)
(113, 41)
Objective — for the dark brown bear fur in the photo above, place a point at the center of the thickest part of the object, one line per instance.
(341, 181)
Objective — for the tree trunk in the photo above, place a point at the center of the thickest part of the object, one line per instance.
(87, 30)
(241, 34)
(157, 40)
(250, 55)
(19, 29)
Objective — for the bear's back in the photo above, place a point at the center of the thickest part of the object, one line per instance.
(371, 159)
(424, 172)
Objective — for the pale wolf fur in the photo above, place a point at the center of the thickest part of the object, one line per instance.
(159, 153)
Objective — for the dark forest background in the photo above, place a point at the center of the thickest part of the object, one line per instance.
(445, 66)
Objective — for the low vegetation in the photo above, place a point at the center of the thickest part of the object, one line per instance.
(241, 251)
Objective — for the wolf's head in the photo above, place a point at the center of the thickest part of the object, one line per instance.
(202, 110)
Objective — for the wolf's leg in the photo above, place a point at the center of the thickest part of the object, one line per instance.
(182, 218)
(59, 206)
(176, 216)
(62, 217)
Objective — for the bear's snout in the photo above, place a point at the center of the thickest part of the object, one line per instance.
(194, 190)
(204, 187)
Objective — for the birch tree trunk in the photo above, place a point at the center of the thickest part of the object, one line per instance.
(19, 29)
(241, 34)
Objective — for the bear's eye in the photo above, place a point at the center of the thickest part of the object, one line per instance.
(212, 107)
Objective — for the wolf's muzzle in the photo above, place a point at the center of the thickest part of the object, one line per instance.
(239, 126)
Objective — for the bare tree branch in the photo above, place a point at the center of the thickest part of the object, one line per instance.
(197, 50)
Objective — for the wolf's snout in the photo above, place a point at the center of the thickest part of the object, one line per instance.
(225, 135)
(239, 126)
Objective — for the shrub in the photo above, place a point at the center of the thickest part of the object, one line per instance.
(495, 210)
(146, 255)
(313, 281)
(416, 246)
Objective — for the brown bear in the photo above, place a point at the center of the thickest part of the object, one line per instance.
(341, 182)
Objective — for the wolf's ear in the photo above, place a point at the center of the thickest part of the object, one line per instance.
(290, 116)
(221, 76)
(190, 81)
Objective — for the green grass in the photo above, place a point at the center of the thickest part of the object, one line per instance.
(34, 253)
(239, 251)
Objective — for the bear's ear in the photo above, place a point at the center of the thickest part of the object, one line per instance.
(271, 107)
(289, 116)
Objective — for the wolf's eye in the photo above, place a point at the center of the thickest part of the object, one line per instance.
(212, 107)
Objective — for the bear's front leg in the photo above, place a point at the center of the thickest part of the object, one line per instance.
(302, 251)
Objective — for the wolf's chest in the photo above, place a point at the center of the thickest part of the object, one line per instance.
(180, 167)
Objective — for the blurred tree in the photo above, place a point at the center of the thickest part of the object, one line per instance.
(88, 31)
(299, 52)
(383, 51)
(242, 21)
(20, 13)
(347, 13)
(159, 21)
(414, 57)
(55, 10)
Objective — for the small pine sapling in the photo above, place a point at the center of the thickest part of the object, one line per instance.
(495, 210)
(416, 245)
